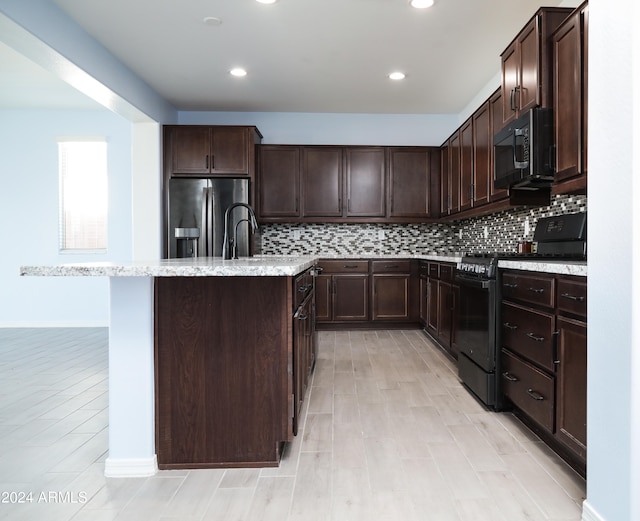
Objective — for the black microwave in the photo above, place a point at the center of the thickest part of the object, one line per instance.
(524, 152)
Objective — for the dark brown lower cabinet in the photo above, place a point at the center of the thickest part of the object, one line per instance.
(224, 370)
(439, 297)
(390, 296)
(544, 357)
(343, 297)
(367, 293)
(303, 354)
(571, 385)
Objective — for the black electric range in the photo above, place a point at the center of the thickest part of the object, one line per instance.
(561, 238)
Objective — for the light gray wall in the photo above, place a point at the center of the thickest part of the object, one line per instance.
(29, 216)
(613, 412)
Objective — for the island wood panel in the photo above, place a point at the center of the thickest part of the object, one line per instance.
(223, 370)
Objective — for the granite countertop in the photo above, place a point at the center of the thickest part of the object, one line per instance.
(258, 266)
(264, 266)
(560, 267)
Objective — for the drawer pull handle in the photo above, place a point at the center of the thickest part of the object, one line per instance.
(535, 395)
(350, 266)
(507, 376)
(572, 297)
(536, 338)
(391, 266)
(511, 286)
(536, 290)
(510, 326)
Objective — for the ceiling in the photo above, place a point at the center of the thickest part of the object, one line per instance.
(301, 55)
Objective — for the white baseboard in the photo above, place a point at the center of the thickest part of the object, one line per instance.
(589, 513)
(43, 324)
(130, 467)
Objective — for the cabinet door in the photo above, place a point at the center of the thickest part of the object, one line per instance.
(496, 104)
(571, 385)
(409, 179)
(482, 141)
(424, 309)
(190, 150)
(351, 297)
(432, 306)
(466, 165)
(567, 96)
(366, 182)
(230, 150)
(279, 181)
(324, 288)
(444, 180)
(528, 93)
(445, 312)
(390, 296)
(510, 82)
(322, 181)
(454, 173)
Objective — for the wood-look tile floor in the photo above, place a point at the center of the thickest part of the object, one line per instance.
(388, 434)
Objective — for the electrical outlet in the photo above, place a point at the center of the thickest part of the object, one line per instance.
(526, 227)
(296, 235)
(460, 234)
(381, 235)
(486, 232)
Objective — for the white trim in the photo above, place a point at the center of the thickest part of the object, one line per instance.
(589, 513)
(130, 467)
(54, 323)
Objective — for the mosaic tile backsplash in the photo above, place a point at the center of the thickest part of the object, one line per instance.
(501, 231)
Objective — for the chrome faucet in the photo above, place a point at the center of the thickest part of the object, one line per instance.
(229, 246)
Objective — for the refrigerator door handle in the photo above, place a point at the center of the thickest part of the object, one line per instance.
(210, 230)
(204, 236)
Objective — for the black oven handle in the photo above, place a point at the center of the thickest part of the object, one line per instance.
(473, 282)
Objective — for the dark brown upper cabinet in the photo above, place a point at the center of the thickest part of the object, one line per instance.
(198, 150)
(482, 145)
(444, 180)
(279, 181)
(526, 64)
(322, 181)
(453, 173)
(570, 102)
(466, 165)
(409, 182)
(346, 183)
(496, 110)
(366, 182)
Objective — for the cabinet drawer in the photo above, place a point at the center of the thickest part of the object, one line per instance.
(391, 266)
(528, 388)
(529, 333)
(536, 289)
(344, 266)
(434, 270)
(446, 272)
(572, 296)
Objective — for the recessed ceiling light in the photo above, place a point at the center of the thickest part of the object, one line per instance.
(421, 4)
(267, 1)
(397, 76)
(212, 20)
(239, 72)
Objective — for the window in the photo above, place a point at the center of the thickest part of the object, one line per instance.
(83, 195)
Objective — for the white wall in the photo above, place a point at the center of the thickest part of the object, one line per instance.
(29, 216)
(613, 411)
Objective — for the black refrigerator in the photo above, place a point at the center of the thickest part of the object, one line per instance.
(195, 220)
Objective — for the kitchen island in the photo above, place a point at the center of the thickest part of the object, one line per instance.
(226, 317)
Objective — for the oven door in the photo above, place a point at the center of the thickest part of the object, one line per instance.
(476, 329)
(476, 337)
